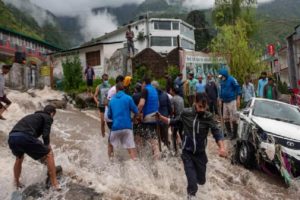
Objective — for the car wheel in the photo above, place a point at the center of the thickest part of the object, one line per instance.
(246, 155)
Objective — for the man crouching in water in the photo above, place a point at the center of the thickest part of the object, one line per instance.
(196, 124)
(24, 139)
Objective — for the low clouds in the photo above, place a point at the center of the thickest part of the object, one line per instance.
(205, 4)
(92, 25)
(95, 25)
(77, 7)
(40, 15)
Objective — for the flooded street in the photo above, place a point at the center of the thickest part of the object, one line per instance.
(82, 152)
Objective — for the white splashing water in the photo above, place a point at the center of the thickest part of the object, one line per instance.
(82, 152)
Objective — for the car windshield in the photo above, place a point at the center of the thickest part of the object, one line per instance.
(277, 111)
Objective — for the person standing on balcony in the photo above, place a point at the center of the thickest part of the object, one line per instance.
(3, 98)
(129, 37)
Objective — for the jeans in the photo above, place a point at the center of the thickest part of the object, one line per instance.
(130, 45)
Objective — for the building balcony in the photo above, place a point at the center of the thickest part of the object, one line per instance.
(7, 48)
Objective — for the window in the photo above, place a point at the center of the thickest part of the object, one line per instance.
(162, 25)
(187, 44)
(186, 31)
(175, 43)
(161, 41)
(93, 58)
(175, 25)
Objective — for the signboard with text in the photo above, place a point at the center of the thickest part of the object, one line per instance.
(45, 71)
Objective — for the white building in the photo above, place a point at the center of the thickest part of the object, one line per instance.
(158, 34)
(162, 35)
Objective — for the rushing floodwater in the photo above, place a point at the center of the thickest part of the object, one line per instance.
(82, 153)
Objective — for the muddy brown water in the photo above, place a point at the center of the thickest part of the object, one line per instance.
(82, 152)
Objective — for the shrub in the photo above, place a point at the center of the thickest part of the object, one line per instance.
(72, 73)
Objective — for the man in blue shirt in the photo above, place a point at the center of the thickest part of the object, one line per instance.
(230, 97)
(200, 86)
(148, 107)
(119, 111)
(261, 84)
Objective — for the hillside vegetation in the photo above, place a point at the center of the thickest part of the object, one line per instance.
(14, 19)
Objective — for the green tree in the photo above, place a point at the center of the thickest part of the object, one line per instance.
(173, 71)
(233, 45)
(228, 12)
(202, 35)
(72, 73)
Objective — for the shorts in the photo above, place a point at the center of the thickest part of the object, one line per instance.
(137, 129)
(149, 131)
(101, 109)
(89, 82)
(22, 143)
(5, 100)
(230, 111)
(122, 137)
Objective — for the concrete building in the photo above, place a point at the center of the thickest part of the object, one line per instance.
(29, 55)
(107, 54)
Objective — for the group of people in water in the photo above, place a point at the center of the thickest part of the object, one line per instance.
(188, 108)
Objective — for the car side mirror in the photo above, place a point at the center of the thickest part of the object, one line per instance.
(246, 112)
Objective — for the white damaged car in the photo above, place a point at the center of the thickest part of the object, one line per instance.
(269, 138)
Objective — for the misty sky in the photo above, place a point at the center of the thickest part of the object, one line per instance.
(75, 7)
(91, 25)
